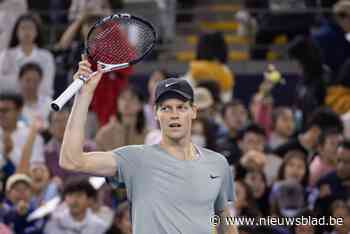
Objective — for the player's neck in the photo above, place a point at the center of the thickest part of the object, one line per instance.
(182, 150)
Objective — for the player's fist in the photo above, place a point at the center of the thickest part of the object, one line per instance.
(85, 73)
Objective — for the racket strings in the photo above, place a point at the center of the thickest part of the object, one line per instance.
(120, 41)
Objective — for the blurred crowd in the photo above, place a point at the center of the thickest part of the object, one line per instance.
(287, 161)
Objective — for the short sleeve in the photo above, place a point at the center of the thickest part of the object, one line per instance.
(128, 163)
(118, 179)
(226, 190)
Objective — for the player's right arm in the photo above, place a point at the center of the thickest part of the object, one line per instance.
(72, 156)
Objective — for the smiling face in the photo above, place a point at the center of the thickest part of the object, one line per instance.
(175, 119)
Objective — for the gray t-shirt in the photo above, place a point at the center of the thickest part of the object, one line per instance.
(170, 195)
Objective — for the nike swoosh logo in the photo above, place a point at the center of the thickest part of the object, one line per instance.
(213, 177)
(167, 85)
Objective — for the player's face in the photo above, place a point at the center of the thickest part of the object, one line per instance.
(175, 118)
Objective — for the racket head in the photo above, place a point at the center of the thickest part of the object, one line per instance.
(120, 38)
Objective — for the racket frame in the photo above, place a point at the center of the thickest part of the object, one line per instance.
(76, 85)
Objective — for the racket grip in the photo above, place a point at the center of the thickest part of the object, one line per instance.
(73, 88)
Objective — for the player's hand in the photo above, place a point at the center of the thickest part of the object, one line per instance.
(85, 71)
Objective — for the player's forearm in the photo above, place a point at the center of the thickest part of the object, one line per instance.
(72, 146)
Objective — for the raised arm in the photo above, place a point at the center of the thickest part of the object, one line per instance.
(72, 156)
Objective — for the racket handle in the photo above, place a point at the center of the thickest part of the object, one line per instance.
(73, 88)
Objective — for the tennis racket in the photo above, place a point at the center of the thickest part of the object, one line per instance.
(115, 42)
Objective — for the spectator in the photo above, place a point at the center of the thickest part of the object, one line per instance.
(44, 189)
(121, 223)
(287, 198)
(288, 18)
(293, 176)
(325, 161)
(204, 102)
(17, 206)
(308, 228)
(251, 142)
(26, 46)
(77, 217)
(340, 209)
(78, 7)
(235, 117)
(128, 127)
(57, 124)
(10, 10)
(282, 127)
(294, 167)
(35, 104)
(320, 120)
(14, 134)
(199, 136)
(97, 207)
(257, 182)
(244, 204)
(211, 57)
(335, 185)
(334, 33)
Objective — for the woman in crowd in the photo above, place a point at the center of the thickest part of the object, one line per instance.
(26, 45)
(128, 126)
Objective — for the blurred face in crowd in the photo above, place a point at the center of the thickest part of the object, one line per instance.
(252, 141)
(285, 123)
(304, 229)
(40, 176)
(175, 119)
(235, 117)
(256, 182)
(123, 223)
(198, 135)
(77, 202)
(342, 212)
(343, 163)
(343, 18)
(241, 195)
(8, 114)
(295, 168)
(26, 32)
(58, 124)
(20, 191)
(156, 76)
(328, 150)
(128, 103)
(30, 82)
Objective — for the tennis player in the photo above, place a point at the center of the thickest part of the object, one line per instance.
(174, 186)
